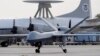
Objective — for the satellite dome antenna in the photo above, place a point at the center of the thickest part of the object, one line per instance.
(43, 7)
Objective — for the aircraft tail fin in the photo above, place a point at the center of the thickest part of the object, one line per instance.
(82, 11)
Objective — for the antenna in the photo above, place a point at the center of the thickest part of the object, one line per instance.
(43, 7)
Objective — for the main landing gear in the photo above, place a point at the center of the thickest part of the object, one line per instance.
(39, 45)
(63, 48)
(4, 44)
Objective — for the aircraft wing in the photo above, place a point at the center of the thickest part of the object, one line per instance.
(76, 34)
(13, 35)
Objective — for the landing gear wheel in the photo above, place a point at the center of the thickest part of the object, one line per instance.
(4, 44)
(37, 51)
(65, 50)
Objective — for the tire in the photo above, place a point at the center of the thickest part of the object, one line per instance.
(65, 50)
(37, 51)
(4, 44)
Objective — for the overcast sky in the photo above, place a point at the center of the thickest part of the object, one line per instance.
(10, 9)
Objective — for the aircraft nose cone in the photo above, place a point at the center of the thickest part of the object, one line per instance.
(33, 35)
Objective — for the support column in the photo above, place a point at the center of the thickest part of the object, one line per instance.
(43, 11)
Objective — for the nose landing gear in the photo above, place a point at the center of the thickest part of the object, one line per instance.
(37, 50)
(38, 45)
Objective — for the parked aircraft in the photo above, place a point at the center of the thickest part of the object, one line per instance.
(37, 37)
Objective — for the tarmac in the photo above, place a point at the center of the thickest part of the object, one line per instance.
(51, 50)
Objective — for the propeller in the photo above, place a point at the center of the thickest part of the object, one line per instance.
(72, 28)
(14, 29)
(31, 26)
(70, 23)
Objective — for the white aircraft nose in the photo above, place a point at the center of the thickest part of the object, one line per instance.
(33, 35)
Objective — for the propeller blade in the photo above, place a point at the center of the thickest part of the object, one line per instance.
(70, 23)
(30, 20)
(31, 26)
(13, 22)
(14, 29)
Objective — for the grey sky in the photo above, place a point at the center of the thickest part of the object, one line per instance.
(18, 9)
